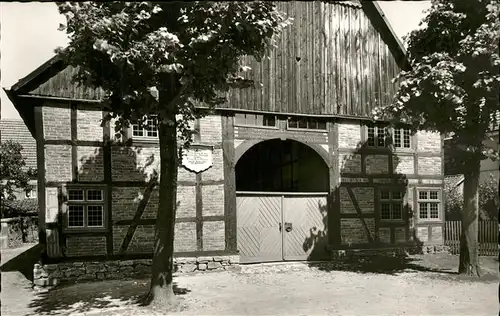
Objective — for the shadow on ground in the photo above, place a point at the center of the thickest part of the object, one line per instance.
(384, 264)
(443, 265)
(92, 296)
(22, 262)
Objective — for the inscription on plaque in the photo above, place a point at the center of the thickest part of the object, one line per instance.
(197, 159)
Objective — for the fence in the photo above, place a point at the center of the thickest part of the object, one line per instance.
(487, 237)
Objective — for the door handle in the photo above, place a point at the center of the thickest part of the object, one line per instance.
(288, 227)
(280, 227)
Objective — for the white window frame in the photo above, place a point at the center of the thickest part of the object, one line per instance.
(85, 203)
(391, 201)
(403, 132)
(376, 135)
(389, 137)
(150, 121)
(428, 201)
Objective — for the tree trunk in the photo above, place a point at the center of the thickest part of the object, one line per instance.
(469, 252)
(161, 293)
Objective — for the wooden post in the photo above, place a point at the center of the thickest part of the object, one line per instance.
(229, 182)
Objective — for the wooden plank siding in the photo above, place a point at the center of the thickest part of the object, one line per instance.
(331, 61)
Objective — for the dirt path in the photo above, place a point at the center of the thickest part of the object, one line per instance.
(289, 290)
(336, 293)
(16, 287)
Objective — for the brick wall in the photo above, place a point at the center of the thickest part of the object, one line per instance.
(437, 234)
(141, 242)
(56, 123)
(349, 135)
(213, 236)
(134, 163)
(211, 129)
(216, 172)
(213, 200)
(350, 163)
(352, 230)
(126, 199)
(185, 237)
(429, 142)
(58, 163)
(423, 233)
(384, 235)
(85, 246)
(429, 166)
(186, 201)
(364, 197)
(185, 175)
(400, 234)
(377, 164)
(89, 125)
(403, 164)
(90, 163)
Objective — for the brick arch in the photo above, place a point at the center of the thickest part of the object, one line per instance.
(242, 148)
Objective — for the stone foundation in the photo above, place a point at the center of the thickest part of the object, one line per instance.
(70, 272)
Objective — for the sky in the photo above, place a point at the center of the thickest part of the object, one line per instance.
(29, 36)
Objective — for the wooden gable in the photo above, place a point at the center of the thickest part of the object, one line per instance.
(337, 59)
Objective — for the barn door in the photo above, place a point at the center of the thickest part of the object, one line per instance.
(258, 224)
(304, 227)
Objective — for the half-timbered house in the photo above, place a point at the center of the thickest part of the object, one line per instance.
(290, 170)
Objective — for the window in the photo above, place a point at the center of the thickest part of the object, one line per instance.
(254, 119)
(401, 138)
(147, 129)
(376, 136)
(428, 204)
(306, 123)
(391, 205)
(85, 208)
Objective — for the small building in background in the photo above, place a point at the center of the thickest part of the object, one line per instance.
(16, 130)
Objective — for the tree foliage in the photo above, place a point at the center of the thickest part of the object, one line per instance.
(130, 49)
(489, 201)
(452, 88)
(14, 174)
(453, 84)
(166, 59)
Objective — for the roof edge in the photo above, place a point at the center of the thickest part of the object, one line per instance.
(26, 116)
(21, 83)
(372, 9)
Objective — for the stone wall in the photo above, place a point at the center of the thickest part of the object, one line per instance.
(54, 274)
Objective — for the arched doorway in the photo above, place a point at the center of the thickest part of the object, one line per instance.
(281, 193)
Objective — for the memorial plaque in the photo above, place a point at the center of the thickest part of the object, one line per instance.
(197, 158)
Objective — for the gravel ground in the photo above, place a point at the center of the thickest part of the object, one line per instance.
(287, 289)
